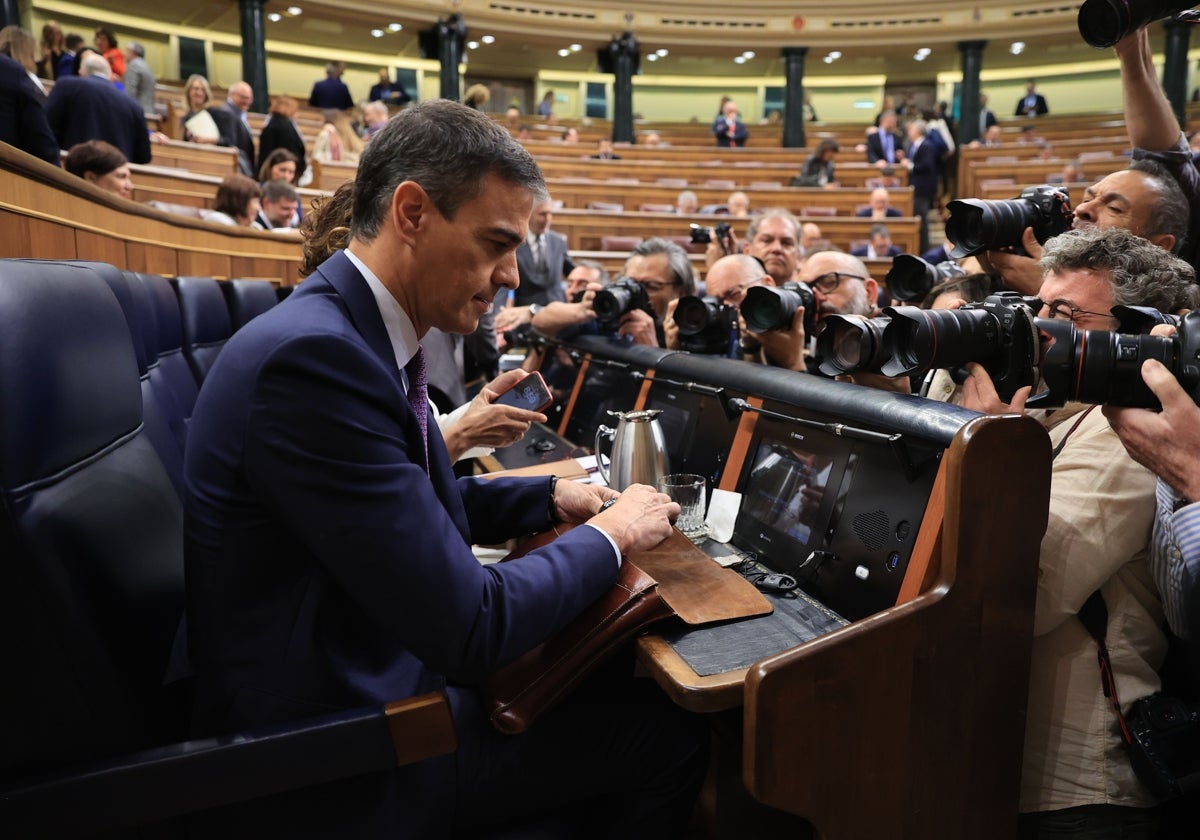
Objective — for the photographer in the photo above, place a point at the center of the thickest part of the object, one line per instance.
(773, 237)
(585, 279)
(1075, 770)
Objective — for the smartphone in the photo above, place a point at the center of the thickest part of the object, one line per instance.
(530, 394)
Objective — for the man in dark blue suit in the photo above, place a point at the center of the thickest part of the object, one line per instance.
(922, 160)
(328, 543)
(22, 114)
(88, 107)
(331, 92)
(880, 245)
(728, 128)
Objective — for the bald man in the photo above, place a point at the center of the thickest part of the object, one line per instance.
(88, 107)
(234, 127)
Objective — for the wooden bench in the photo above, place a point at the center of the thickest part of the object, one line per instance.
(195, 157)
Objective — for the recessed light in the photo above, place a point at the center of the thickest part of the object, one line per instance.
(662, 52)
(575, 47)
(377, 33)
(472, 45)
(488, 39)
(295, 10)
(564, 52)
(652, 57)
(1017, 47)
(835, 54)
(741, 59)
(748, 54)
(920, 57)
(274, 17)
(395, 27)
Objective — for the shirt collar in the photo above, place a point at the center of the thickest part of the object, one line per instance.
(400, 330)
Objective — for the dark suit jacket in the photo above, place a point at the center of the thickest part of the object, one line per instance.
(281, 133)
(875, 147)
(234, 133)
(22, 113)
(534, 289)
(720, 127)
(327, 569)
(893, 251)
(866, 213)
(82, 108)
(1039, 107)
(331, 93)
(936, 255)
(392, 93)
(923, 177)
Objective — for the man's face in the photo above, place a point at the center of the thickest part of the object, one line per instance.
(776, 245)
(881, 242)
(241, 96)
(730, 110)
(460, 264)
(992, 135)
(727, 281)
(1123, 199)
(580, 278)
(1084, 289)
(851, 296)
(539, 219)
(279, 213)
(655, 275)
(887, 122)
(605, 147)
(809, 234)
(880, 201)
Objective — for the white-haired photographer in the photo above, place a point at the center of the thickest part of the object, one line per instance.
(1167, 443)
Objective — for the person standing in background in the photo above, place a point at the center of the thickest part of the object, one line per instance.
(106, 45)
(331, 92)
(1032, 104)
(727, 128)
(139, 78)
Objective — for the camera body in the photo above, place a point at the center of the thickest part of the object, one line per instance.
(1104, 22)
(910, 278)
(707, 326)
(977, 225)
(702, 235)
(767, 308)
(621, 296)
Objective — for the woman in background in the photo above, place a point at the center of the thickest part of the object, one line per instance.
(281, 132)
(818, 169)
(19, 45)
(237, 202)
(280, 165)
(338, 141)
(101, 164)
(106, 45)
(53, 48)
(201, 129)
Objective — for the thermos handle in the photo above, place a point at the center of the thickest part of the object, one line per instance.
(603, 431)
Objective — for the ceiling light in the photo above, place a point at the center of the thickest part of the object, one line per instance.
(274, 17)
(741, 59)
(575, 47)
(295, 10)
(662, 52)
(488, 39)
(920, 56)
(652, 57)
(1017, 47)
(828, 59)
(748, 54)
(924, 51)
(834, 55)
(563, 53)
(395, 27)
(377, 33)
(472, 45)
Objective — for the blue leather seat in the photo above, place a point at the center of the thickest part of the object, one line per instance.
(247, 299)
(206, 324)
(171, 375)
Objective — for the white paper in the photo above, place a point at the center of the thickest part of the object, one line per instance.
(722, 514)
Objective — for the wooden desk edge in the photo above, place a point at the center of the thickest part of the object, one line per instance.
(684, 686)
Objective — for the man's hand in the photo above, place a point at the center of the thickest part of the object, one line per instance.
(1167, 443)
(639, 326)
(670, 328)
(640, 519)
(556, 316)
(1021, 274)
(487, 424)
(717, 248)
(785, 348)
(511, 317)
(979, 394)
(577, 502)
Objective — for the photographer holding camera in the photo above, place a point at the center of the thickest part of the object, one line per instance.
(773, 237)
(1075, 770)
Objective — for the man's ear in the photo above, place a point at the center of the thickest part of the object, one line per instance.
(411, 207)
(1166, 241)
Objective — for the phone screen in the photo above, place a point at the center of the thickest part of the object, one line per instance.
(530, 394)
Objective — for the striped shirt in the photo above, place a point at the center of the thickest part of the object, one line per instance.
(1175, 560)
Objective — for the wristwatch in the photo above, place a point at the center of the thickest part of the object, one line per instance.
(607, 504)
(534, 309)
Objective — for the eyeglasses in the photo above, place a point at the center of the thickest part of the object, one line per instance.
(738, 292)
(827, 283)
(1067, 311)
(656, 285)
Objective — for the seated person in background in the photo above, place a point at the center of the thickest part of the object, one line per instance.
(337, 140)
(474, 428)
(101, 164)
(512, 118)
(651, 138)
(278, 206)
(570, 137)
(375, 116)
(330, 560)
(196, 128)
(524, 132)
(687, 203)
(604, 150)
(738, 204)
(818, 170)
(939, 253)
(279, 165)
(237, 202)
(810, 236)
(1142, 198)
(991, 138)
(880, 206)
(1072, 173)
(1075, 768)
(880, 246)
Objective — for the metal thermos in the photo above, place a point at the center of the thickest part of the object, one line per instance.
(639, 451)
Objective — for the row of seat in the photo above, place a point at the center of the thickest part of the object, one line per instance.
(100, 370)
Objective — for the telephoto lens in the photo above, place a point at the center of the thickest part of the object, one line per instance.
(847, 343)
(1105, 368)
(706, 326)
(910, 277)
(1104, 22)
(767, 308)
(977, 225)
(621, 296)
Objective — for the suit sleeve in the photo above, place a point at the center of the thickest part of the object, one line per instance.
(328, 449)
(34, 130)
(141, 135)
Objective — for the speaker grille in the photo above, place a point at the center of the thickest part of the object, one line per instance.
(872, 529)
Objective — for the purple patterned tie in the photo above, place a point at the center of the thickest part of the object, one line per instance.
(418, 396)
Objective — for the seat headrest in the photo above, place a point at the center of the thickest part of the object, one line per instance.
(166, 312)
(67, 369)
(247, 299)
(202, 307)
